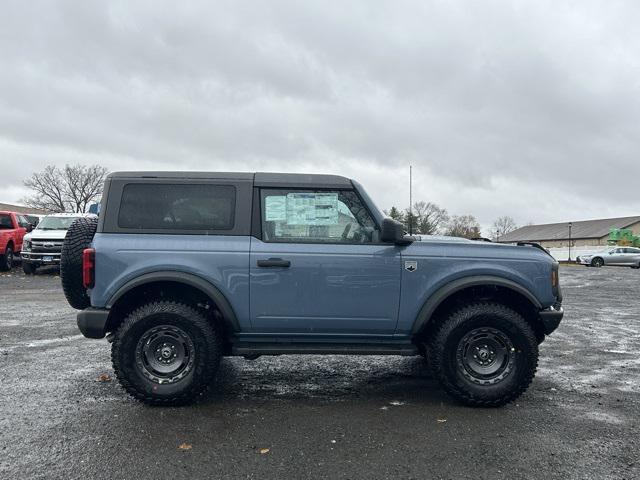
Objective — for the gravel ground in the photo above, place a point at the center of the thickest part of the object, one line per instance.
(322, 417)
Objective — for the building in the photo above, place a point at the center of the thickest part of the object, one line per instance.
(585, 233)
(7, 207)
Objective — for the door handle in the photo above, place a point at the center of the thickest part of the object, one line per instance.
(274, 262)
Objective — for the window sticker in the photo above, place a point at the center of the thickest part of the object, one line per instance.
(312, 208)
(276, 208)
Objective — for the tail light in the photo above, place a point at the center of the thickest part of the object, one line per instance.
(555, 281)
(88, 267)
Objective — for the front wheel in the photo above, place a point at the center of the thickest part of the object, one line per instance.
(166, 353)
(484, 354)
(28, 268)
(6, 260)
(597, 262)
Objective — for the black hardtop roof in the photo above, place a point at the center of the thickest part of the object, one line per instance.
(260, 179)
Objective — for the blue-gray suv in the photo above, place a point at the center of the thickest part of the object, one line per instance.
(182, 268)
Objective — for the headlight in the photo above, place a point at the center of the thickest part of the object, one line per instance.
(26, 245)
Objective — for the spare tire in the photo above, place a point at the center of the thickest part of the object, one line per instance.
(78, 237)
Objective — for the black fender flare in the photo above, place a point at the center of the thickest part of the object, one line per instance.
(444, 292)
(228, 315)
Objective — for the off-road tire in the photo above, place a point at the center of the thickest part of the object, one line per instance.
(443, 357)
(28, 268)
(78, 237)
(597, 262)
(6, 259)
(128, 366)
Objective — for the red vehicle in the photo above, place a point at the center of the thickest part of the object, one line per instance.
(13, 227)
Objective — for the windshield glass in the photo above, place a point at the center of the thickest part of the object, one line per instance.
(5, 221)
(56, 223)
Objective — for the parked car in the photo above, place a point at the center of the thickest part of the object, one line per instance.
(13, 227)
(43, 245)
(183, 268)
(615, 256)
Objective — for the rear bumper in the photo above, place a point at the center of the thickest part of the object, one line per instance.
(550, 318)
(92, 322)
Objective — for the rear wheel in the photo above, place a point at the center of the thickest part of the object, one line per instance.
(166, 353)
(597, 262)
(6, 260)
(484, 354)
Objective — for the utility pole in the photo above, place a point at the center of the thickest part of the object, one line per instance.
(410, 202)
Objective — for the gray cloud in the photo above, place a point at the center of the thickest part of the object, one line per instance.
(527, 108)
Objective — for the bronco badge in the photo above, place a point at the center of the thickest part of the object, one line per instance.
(411, 265)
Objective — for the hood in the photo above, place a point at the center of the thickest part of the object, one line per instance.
(441, 245)
(444, 239)
(46, 235)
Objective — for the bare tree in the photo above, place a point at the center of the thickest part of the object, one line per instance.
(429, 218)
(502, 226)
(68, 189)
(463, 226)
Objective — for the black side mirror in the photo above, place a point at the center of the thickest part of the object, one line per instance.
(29, 227)
(393, 232)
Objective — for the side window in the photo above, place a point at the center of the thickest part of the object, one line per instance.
(22, 221)
(153, 206)
(301, 216)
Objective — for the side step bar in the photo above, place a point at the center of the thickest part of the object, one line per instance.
(255, 349)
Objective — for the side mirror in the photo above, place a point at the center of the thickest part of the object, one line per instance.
(393, 232)
(29, 227)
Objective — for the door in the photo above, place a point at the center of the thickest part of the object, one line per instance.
(631, 256)
(23, 224)
(319, 268)
(615, 257)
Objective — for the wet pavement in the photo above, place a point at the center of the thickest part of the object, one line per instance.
(322, 417)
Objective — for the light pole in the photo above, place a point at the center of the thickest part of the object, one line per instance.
(570, 225)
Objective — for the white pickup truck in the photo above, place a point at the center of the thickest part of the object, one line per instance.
(43, 245)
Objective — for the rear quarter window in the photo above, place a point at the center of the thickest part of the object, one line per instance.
(153, 206)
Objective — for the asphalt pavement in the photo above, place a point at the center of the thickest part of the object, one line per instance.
(63, 415)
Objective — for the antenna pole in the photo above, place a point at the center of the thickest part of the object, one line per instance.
(410, 201)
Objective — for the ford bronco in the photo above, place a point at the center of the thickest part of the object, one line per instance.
(183, 268)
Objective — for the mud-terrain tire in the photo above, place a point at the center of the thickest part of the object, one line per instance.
(78, 237)
(6, 259)
(597, 262)
(28, 268)
(192, 343)
(484, 331)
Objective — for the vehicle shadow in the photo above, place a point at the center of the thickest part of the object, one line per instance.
(328, 377)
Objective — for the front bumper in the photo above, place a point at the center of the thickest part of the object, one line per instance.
(92, 322)
(41, 258)
(551, 317)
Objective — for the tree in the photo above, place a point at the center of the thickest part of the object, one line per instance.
(463, 226)
(68, 189)
(428, 218)
(502, 226)
(395, 214)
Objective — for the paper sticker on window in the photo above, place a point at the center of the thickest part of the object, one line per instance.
(276, 208)
(312, 208)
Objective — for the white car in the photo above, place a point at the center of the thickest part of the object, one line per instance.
(617, 256)
(43, 245)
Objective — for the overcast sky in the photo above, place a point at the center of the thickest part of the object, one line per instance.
(529, 109)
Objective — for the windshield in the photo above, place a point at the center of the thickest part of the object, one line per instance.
(56, 223)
